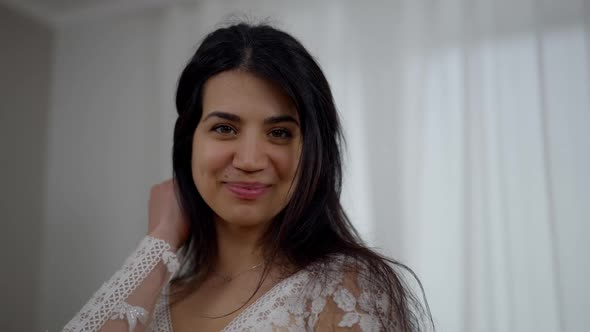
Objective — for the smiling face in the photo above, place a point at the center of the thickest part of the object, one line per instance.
(246, 148)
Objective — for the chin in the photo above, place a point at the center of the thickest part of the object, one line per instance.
(244, 218)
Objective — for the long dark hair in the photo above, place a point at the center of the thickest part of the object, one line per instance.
(313, 226)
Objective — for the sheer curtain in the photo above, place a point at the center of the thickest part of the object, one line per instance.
(493, 144)
(468, 142)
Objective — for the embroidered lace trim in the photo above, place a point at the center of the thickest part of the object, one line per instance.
(161, 321)
(136, 268)
(132, 313)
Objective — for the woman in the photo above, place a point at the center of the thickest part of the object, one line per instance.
(255, 208)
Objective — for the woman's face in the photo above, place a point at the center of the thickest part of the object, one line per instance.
(246, 148)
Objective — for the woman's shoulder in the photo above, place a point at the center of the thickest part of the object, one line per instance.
(345, 273)
(346, 265)
(340, 291)
(364, 289)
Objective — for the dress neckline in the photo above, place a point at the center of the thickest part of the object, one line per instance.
(271, 292)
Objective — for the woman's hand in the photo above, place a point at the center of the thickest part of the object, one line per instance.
(166, 219)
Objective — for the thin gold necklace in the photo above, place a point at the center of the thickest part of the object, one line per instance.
(226, 279)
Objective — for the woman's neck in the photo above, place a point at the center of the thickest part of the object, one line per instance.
(237, 248)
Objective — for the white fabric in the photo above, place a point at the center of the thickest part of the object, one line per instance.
(491, 139)
(109, 301)
(343, 296)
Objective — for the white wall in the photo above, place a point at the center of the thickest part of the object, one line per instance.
(25, 62)
(103, 155)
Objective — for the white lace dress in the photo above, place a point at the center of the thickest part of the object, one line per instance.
(316, 299)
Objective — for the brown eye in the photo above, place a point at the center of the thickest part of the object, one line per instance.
(224, 130)
(280, 133)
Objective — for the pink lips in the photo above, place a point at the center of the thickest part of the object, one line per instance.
(249, 191)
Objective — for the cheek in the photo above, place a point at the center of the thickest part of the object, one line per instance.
(286, 163)
(208, 160)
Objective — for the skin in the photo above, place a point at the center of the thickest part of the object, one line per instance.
(245, 149)
(248, 132)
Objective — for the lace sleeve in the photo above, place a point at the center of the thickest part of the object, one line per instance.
(108, 301)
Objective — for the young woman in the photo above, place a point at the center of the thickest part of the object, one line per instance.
(254, 207)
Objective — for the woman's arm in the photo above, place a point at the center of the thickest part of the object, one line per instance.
(126, 302)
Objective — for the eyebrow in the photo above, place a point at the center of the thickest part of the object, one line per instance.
(236, 118)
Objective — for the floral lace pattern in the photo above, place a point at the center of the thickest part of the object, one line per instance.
(306, 301)
(132, 314)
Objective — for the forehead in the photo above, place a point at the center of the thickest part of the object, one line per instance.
(245, 94)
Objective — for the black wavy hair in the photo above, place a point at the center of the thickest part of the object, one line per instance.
(313, 226)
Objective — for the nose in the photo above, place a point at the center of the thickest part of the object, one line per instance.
(250, 155)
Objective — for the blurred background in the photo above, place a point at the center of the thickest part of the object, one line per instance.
(468, 127)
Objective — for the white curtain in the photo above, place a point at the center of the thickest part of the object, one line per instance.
(494, 150)
(468, 127)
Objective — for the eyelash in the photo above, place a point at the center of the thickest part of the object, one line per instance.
(285, 132)
(216, 129)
